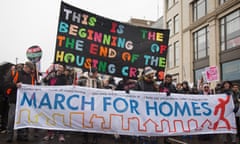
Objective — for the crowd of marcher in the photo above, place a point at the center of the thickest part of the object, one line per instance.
(16, 75)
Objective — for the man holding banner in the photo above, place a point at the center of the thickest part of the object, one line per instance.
(167, 87)
(91, 79)
(147, 83)
(227, 89)
(14, 80)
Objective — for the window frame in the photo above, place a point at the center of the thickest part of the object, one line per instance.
(227, 66)
(196, 43)
(223, 25)
(195, 7)
(176, 53)
(169, 6)
(222, 2)
(170, 27)
(176, 25)
(170, 61)
(199, 72)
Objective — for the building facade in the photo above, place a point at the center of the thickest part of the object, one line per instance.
(203, 33)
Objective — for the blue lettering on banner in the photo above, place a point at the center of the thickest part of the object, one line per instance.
(187, 109)
(163, 109)
(154, 108)
(118, 104)
(69, 102)
(59, 99)
(182, 110)
(84, 102)
(196, 107)
(106, 101)
(58, 103)
(31, 101)
(133, 106)
(205, 106)
(45, 101)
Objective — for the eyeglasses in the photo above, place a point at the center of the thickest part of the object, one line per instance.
(149, 76)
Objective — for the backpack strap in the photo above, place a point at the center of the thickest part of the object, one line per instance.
(14, 75)
(14, 79)
(33, 79)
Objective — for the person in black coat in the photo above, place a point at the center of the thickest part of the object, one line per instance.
(147, 82)
(227, 89)
(13, 81)
(167, 85)
(4, 69)
(126, 84)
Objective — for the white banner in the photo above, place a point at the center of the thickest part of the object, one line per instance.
(74, 108)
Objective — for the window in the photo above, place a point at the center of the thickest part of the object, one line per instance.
(170, 3)
(200, 43)
(173, 55)
(170, 56)
(169, 26)
(173, 26)
(176, 24)
(231, 70)
(230, 31)
(222, 1)
(176, 53)
(198, 74)
(199, 9)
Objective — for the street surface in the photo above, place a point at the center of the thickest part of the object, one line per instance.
(77, 138)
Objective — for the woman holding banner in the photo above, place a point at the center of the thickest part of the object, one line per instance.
(56, 78)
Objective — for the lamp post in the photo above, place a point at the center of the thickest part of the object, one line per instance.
(16, 60)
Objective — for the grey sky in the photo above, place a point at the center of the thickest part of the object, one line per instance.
(25, 23)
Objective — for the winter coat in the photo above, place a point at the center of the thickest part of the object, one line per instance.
(167, 87)
(143, 85)
(126, 85)
(12, 79)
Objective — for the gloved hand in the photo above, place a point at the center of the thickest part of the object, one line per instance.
(235, 109)
(168, 93)
(228, 93)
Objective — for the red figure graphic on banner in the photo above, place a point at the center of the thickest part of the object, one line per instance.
(221, 107)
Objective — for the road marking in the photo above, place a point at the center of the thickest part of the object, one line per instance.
(177, 141)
